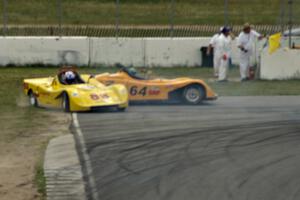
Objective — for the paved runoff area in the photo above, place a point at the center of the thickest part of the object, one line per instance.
(234, 148)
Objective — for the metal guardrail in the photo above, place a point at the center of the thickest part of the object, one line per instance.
(129, 30)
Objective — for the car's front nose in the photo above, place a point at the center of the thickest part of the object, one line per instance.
(85, 101)
(213, 98)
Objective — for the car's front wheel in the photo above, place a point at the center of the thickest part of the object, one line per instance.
(193, 94)
(121, 109)
(32, 99)
(65, 102)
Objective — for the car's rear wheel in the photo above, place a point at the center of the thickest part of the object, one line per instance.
(65, 102)
(193, 94)
(32, 99)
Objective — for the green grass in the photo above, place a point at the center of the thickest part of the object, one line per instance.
(258, 88)
(22, 125)
(40, 180)
(11, 82)
(235, 88)
(146, 12)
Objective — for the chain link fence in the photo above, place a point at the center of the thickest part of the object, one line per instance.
(144, 18)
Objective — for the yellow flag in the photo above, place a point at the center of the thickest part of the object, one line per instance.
(274, 42)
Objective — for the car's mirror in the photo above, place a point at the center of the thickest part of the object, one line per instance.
(90, 77)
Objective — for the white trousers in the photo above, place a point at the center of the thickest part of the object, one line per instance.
(223, 69)
(244, 64)
(217, 64)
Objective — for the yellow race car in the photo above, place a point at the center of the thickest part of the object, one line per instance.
(184, 90)
(72, 92)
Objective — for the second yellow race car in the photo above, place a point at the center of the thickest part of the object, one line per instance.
(184, 90)
(72, 92)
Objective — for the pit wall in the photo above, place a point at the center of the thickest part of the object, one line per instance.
(83, 51)
(44, 50)
(282, 64)
(149, 52)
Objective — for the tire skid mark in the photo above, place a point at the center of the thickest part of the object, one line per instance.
(151, 155)
(251, 172)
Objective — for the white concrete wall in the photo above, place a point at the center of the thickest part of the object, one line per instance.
(109, 51)
(44, 50)
(164, 52)
(282, 64)
(174, 52)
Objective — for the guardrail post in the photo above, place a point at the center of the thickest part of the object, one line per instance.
(4, 17)
(171, 17)
(282, 15)
(226, 12)
(59, 16)
(290, 2)
(117, 17)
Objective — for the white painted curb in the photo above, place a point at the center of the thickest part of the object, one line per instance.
(86, 159)
(62, 169)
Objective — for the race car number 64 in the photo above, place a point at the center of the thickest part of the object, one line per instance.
(134, 91)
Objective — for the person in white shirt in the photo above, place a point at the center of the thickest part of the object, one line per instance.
(212, 45)
(245, 42)
(223, 44)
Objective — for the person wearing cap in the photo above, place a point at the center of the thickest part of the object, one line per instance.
(245, 43)
(223, 45)
(212, 45)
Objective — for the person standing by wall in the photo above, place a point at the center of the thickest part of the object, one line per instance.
(245, 43)
(212, 46)
(223, 45)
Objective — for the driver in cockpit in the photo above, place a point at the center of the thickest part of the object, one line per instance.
(132, 71)
(70, 77)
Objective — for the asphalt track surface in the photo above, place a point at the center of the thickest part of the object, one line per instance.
(241, 148)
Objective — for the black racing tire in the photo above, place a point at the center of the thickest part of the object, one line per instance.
(65, 103)
(32, 99)
(193, 94)
(121, 109)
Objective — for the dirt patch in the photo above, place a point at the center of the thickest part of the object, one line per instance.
(24, 136)
(22, 101)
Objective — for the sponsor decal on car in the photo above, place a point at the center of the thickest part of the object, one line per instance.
(94, 97)
(154, 91)
(104, 96)
(135, 91)
(75, 94)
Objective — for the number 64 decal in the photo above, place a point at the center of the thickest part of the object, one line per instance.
(134, 91)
